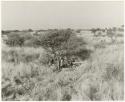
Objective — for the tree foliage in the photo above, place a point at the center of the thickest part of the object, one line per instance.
(93, 30)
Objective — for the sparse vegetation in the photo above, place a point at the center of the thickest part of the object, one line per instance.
(30, 67)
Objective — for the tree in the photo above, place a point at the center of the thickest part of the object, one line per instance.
(63, 45)
(30, 30)
(93, 30)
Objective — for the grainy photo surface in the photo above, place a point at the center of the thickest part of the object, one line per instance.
(62, 51)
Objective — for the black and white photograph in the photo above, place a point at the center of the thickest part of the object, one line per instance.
(62, 50)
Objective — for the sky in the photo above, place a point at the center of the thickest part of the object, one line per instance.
(61, 14)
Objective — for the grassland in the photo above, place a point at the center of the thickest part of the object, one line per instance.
(101, 77)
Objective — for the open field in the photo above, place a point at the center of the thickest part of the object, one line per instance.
(100, 77)
(62, 51)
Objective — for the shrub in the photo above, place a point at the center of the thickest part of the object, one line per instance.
(15, 40)
(78, 31)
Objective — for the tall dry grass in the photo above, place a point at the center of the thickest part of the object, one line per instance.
(98, 78)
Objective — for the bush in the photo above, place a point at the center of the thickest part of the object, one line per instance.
(15, 40)
(78, 31)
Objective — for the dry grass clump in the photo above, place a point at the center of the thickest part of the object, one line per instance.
(104, 80)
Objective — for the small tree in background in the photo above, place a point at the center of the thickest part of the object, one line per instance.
(63, 45)
(94, 31)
